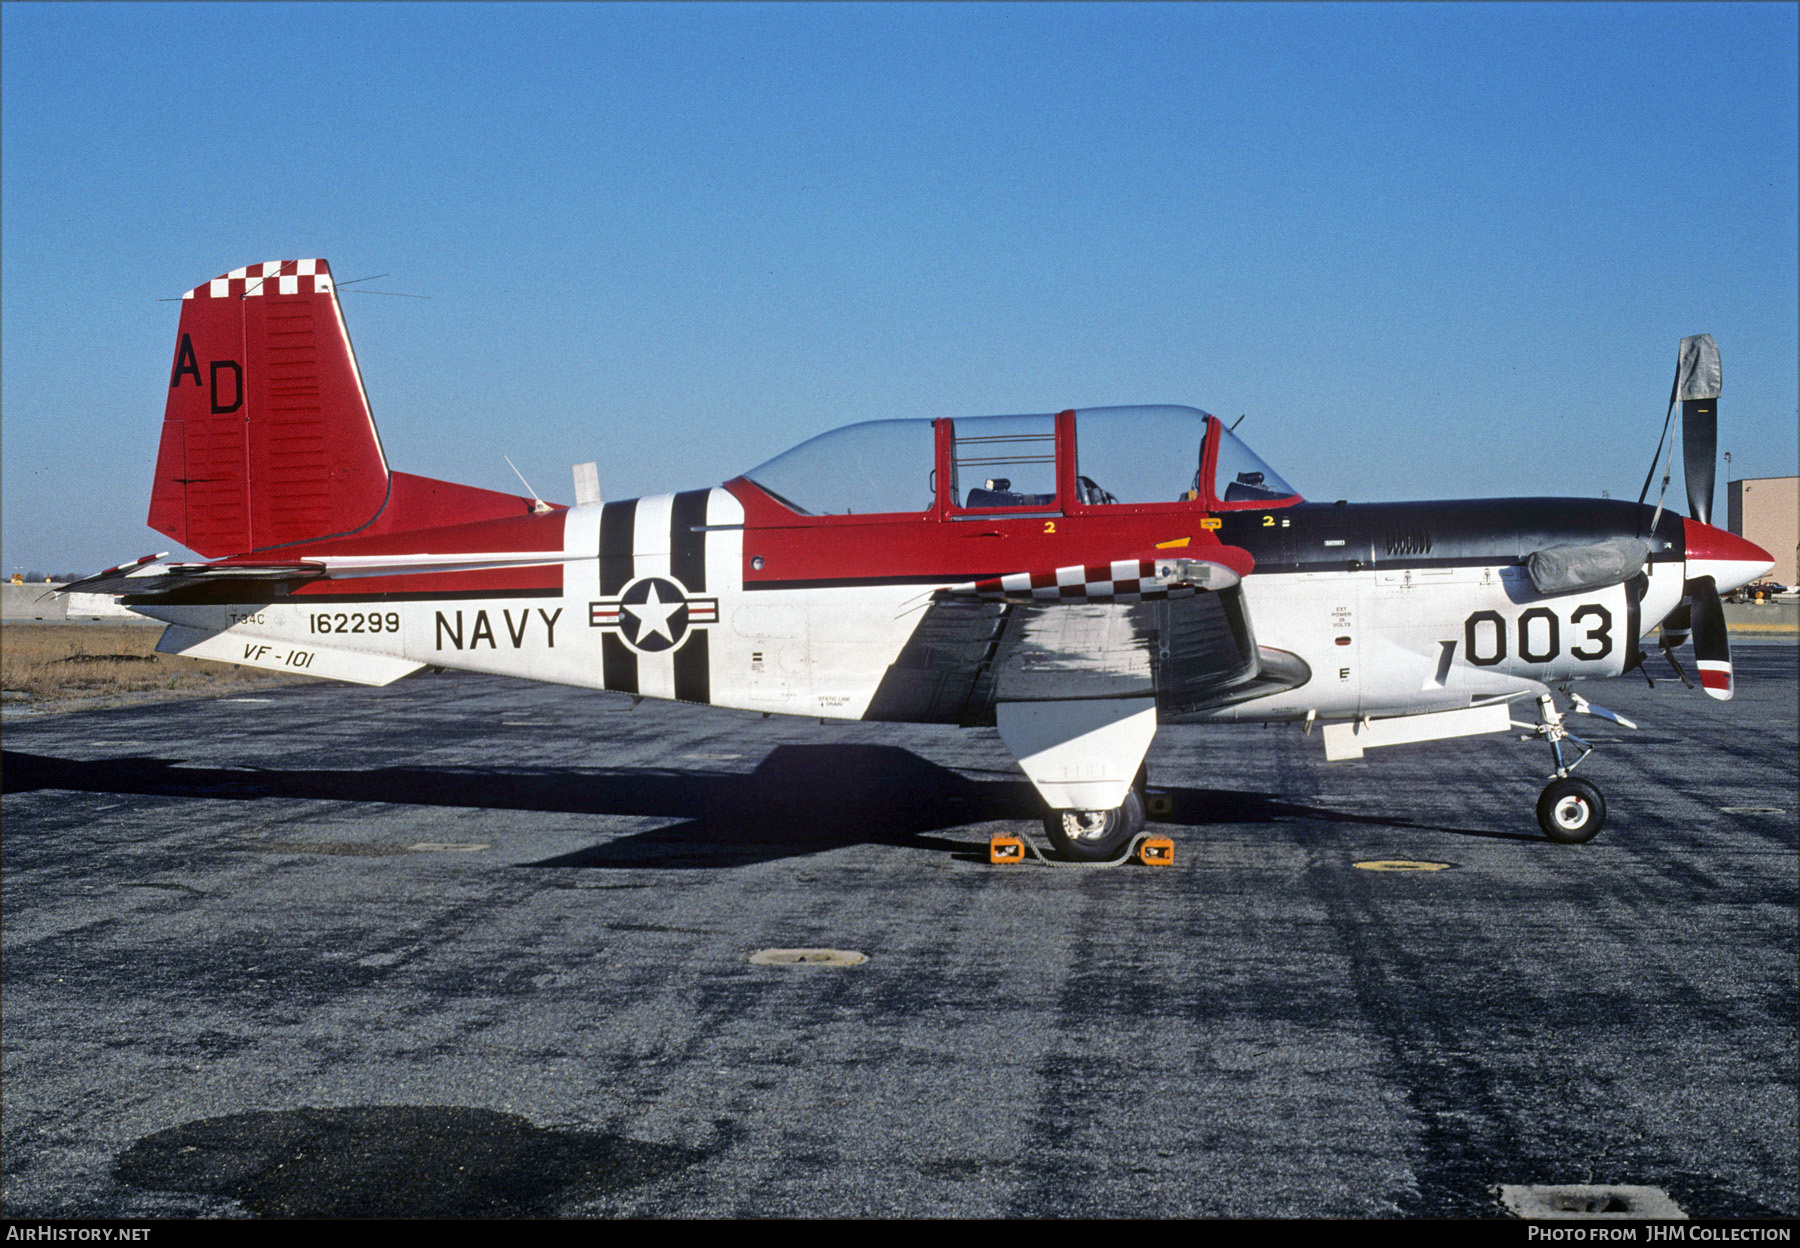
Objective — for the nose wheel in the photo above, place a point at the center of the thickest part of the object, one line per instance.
(1571, 811)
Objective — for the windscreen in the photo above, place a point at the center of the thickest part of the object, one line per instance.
(1242, 477)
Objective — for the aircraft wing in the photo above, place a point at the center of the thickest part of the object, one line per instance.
(1008, 640)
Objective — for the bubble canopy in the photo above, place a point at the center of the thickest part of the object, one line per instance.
(1000, 464)
(879, 467)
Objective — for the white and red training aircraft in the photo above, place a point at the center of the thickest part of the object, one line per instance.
(1074, 578)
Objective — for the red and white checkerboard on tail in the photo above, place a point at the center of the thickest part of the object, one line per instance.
(272, 277)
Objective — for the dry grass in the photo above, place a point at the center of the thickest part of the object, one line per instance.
(71, 666)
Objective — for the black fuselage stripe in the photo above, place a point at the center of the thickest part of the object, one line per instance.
(693, 669)
(618, 527)
(618, 664)
(687, 549)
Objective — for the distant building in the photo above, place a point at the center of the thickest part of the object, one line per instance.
(1767, 511)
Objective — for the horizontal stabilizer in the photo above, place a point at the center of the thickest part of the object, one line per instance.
(150, 578)
(355, 666)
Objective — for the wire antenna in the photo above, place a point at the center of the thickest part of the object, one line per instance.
(537, 503)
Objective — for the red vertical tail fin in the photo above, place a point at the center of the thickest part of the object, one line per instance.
(267, 438)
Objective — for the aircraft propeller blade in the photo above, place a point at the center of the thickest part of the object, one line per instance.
(1674, 630)
(1698, 381)
(1676, 626)
(1712, 645)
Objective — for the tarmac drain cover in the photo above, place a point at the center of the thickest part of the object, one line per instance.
(808, 957)
(1401, 864)
(1588, 1200)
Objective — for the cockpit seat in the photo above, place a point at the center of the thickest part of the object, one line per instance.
(1007, 498)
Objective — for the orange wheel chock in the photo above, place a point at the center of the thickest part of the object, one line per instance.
(1006, 850)
(1157, 851)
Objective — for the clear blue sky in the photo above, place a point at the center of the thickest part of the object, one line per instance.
(1430, 251)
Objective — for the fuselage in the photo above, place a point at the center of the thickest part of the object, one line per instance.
(720, 596)
(917, 569)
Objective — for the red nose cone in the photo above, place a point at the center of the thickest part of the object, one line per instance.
(1727, 558)
(1706, 542)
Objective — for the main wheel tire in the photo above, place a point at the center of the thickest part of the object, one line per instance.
(1571, 811)
(1096, 835)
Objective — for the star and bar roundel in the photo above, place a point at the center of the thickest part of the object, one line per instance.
(653, 614)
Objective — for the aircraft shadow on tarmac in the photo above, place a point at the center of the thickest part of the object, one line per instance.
(802, 799)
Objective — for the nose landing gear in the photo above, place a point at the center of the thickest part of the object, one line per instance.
(1570, 811)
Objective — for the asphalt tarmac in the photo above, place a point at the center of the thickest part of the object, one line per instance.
(465, 946)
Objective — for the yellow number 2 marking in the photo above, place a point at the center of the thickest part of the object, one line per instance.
(1049, 526)
(1268, 522)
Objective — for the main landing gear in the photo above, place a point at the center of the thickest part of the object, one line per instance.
(1570, 811)
(1085, 758)
(1098, 835)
